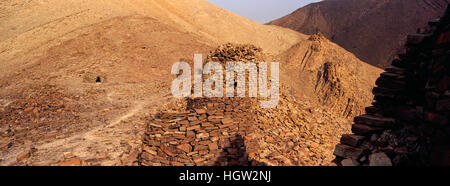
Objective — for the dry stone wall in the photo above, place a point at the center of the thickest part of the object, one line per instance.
(408, 122)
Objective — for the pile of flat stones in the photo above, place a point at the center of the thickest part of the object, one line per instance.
(212, 132)
(408, 122)
(236, 53)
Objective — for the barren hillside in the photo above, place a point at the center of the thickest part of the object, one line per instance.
(373, 30)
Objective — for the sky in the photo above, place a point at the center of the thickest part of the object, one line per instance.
(262, 11)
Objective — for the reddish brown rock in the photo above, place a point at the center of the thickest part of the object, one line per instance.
(213, 146)
(207, 124)
(190, 134)
(345, 151)
(174, 163)
(443, 38)
(349, 163)
(185, 147)
(184, 122)
(24, 155)
(72, 162)
(364, 129)
(200, 111)
(435, 118)
(200, 147)
(375, 121)
(5, 143)
(227, 121)
(351, 139)
(192, 118)
(444, 84)
(196, 127)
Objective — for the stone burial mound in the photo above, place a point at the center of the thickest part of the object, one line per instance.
(209, 131)
(408, 123)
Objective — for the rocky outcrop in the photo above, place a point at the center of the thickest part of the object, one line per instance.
(408, 123)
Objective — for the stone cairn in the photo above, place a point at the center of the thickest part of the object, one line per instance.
(210, 132)
(408, 122)
(236, 53)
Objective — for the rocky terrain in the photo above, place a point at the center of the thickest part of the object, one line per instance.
(88, 83)
(408, 122)
(373, 30)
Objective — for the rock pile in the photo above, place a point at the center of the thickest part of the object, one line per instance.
(213, 132)
(408, 123)
(236, 53)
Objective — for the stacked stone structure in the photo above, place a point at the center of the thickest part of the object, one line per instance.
(213, 132)
(408, 122)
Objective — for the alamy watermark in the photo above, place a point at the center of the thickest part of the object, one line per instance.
(214, 84)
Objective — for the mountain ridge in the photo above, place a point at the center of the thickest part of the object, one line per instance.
(373, 30)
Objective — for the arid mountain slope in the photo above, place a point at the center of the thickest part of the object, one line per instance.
(22, 32)
(222, 26)
(373, 30)
(80, 78)
(126, 56)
